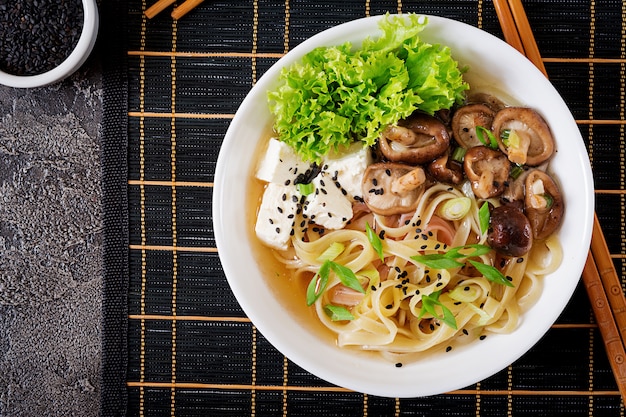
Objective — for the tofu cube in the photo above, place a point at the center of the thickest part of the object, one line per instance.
(327, 206)
(280, 164)
(276, 215)
(347, 168)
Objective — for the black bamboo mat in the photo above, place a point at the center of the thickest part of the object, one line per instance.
(191, 351)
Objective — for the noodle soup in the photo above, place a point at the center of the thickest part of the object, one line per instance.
(404, 281)
(282, 315)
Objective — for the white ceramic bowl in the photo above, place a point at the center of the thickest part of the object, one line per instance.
(77, 58)
(492, 63)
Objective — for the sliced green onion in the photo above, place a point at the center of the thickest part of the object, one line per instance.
(437, 261)
(549, 200)
(448, 260)
(429, 304)
(516, 171)
(455, 208)
(489, 141)
(512, 139)
(305, 189)
(331, 253)
(504, 135)
(476, 250)
(464, 293)
(375, 241)
(491, 273)
(484, 217)
(318, 284)
(346, 276)
(484, 317)
(459, 154)
(338, 313)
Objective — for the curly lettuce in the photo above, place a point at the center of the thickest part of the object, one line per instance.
(338, 95)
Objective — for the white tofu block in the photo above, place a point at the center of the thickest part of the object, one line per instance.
(327, 206)
(280, 164)
(276, 215)
(348, 168)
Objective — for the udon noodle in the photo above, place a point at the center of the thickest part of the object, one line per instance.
(389, 317)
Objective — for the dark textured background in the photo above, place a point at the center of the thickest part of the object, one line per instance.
(51, 247)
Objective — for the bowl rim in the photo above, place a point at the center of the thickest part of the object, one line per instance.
(348, 372)
(75, 59)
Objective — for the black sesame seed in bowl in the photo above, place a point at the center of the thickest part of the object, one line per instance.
(44, 41)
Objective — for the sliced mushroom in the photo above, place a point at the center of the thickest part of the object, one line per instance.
(487, 99)
(465, 121)
(444, 169)
(510, 231)
(390, 188)
(416, 140)
(543, 204)
(487, 169)
(528, 137)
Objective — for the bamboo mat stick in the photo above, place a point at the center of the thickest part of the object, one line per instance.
(604, 287)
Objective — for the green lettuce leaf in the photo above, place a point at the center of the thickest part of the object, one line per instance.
(338, 95)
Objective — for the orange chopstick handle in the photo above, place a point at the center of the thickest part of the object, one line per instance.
(508, 25)
(604, 317)
(611, 282)
(526, 35)
(157, 8)
(185, 8)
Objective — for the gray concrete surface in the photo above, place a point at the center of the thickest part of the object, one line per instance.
(51, 247)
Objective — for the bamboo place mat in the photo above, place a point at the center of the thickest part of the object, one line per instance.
(176, 341)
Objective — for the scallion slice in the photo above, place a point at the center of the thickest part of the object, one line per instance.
(306, 189)
(338, 313)
(375, 241)
(429, 305)
(490, 139)
(484, 217)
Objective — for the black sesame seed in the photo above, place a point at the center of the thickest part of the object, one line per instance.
(417, 292)
(389, 306)
(424, 247)
(483, 337)
(448, 349)
(439, 284)
(287, 182)
(271, 221)
(324, 191)
(520, 260)
(294, 198)
(280, 210)
(284, 197)
(399, 365)
(510, 278)
(344, 192)
(432, 327)
(278, 230)
(375, 182)
(322, 183)
(373, 287)
(398, 270)
(388, 172)
(465, 332)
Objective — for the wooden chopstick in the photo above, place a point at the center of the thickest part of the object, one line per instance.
(599, 275)
(177, 13)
